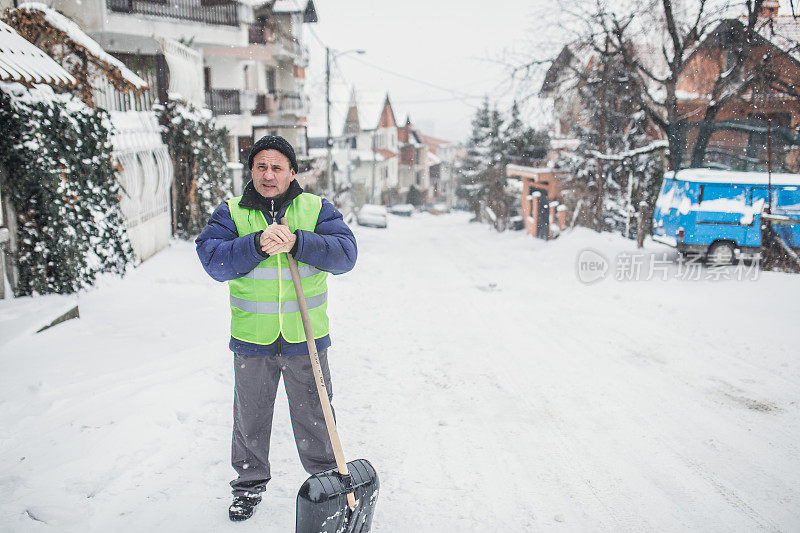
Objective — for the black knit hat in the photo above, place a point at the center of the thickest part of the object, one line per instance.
(273, 142)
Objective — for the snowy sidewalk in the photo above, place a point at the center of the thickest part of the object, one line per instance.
(491, 389)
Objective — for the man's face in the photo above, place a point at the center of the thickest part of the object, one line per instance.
(272, 173)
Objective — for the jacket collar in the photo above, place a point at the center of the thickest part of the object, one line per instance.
(251, 199)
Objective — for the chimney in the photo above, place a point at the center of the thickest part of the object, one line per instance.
(769, 9)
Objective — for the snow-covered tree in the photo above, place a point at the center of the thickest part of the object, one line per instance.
(477, 159)
(197, 149)
(62, 185)
(610, 128)
(491, 145)
(522, 142)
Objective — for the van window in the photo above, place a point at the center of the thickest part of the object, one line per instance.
(783, 198)
(759, 193)
(713, 192)
(788, 199)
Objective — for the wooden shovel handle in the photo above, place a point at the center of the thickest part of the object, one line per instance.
(341, 464)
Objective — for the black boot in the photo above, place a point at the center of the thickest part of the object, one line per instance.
(242, 507)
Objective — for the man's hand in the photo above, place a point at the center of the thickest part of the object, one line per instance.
(276, 239)
(276, 233)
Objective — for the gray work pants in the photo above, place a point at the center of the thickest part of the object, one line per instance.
(256, 383)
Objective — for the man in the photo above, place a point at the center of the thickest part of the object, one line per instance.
(245, 244)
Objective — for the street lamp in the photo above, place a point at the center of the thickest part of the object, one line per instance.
(329, 56)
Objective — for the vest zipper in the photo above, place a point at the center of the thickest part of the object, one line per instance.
(280, 293)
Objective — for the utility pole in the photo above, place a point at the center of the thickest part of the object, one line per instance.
(332, 181)
(374, 163)
(328, 140)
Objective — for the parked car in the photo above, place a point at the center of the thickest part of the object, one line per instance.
(403, 210)
(437, 208)
(372, 215)
(717, 213)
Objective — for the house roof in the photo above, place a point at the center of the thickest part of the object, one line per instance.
(433, 143)
(565, 56)
(784, 32)
(296, 6)
(781, 33)
(72, 32)
(386, 119)
(386, 154)
(22, 62)
(408, 135)
(351, 123)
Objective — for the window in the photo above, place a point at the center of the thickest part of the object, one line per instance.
(788, 199)
(725, 193)
(784, 199)
(270, 79)
(757, 141)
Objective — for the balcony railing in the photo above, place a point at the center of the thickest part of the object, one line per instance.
(260, 33)
(223, 101)
(265, 104)
(293, 103)
(222, 12)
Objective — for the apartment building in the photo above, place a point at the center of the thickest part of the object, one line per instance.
(244, 60)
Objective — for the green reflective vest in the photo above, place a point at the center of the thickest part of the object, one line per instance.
(263, 301)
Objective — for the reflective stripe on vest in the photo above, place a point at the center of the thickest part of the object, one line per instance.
(263, 302)
(286, 274)
(271, 308)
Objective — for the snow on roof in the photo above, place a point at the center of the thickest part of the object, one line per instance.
(370, 107)
(287, 6)
(385, 153)
(784, 32)
(708, 175)
(60, 22)
(433, 141)
(433, 159)
(363, 155)
(21, 61)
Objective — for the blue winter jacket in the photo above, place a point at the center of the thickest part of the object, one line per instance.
(225, 255)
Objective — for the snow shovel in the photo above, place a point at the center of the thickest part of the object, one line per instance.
(340, 500)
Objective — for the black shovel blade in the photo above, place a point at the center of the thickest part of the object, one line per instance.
(322, 501)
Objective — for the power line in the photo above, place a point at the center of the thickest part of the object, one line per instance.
(458, 95)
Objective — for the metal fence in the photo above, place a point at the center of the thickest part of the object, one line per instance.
(222, 12)
(223, 101)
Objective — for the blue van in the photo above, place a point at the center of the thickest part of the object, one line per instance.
(717, 213)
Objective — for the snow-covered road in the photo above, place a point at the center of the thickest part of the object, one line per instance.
(490, 388)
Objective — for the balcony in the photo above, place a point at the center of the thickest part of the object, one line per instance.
(223, 101)
(290, 50)
(291, 103)
(219, 12)
(260, 33)
(265, 104)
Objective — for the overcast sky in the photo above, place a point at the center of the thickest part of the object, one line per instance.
(436, 56)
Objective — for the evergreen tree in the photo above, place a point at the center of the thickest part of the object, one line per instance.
(515, 127)
(476, 160)
(609, 127)
(524, 143)
(197, 149)
(498, 149)
(477, 144)
(63, 187)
